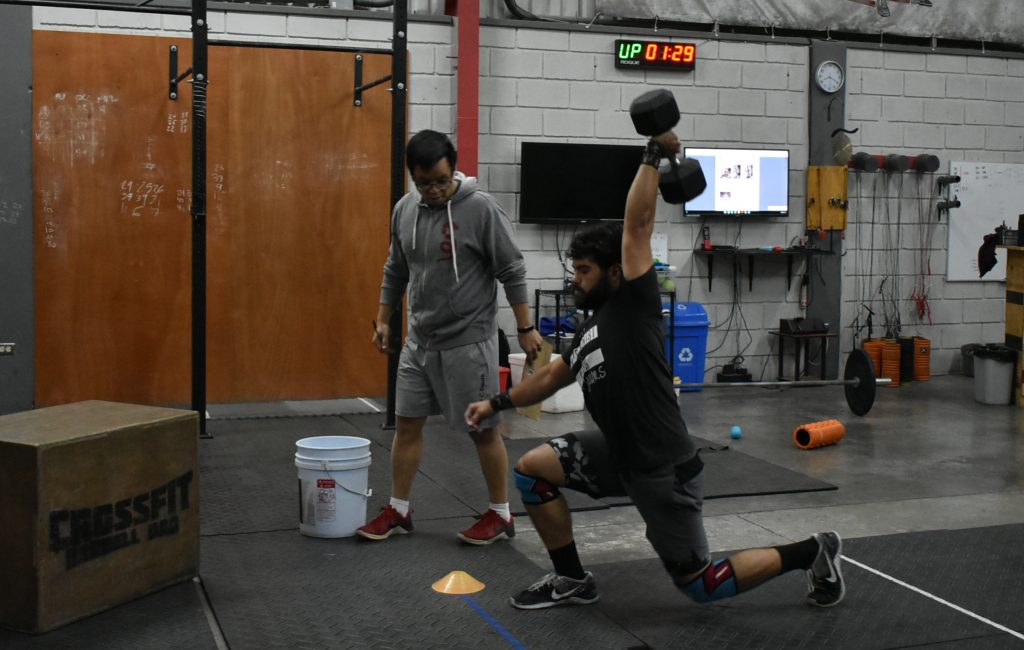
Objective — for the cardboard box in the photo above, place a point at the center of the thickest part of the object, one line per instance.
(99, 505)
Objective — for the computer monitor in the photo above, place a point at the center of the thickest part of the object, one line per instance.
(741, 182)
(574, 183)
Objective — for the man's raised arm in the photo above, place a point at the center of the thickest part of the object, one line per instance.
(640, 205)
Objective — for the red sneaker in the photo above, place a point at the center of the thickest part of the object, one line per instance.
(488, 529)
(387, 523)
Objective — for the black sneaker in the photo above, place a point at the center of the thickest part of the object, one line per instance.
(553, 590)
(825, 578)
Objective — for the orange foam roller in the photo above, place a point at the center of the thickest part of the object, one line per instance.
(818, 434)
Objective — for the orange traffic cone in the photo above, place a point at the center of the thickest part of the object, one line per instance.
(818, 434)
(458, 582)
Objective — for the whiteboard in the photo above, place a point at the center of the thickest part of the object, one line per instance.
(990, 194)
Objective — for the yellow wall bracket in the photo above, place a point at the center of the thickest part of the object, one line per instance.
(826, 197)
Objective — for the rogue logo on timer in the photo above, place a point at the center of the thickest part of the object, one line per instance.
(655, 54)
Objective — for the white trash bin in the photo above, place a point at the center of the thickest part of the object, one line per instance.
(993, 374)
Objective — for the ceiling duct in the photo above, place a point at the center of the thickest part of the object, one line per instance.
(992, 21)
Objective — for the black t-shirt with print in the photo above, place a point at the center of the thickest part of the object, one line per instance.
(618, 358)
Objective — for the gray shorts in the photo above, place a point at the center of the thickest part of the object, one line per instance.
(669, 498)
(445, 382)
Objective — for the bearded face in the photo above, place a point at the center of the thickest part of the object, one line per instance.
(591, 284)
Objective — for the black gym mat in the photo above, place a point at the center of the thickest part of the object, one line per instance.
(172, 618)
(271, 587)
(449, 461)
(979, 570)
(249, 481)
(285, 590)
(732, 473)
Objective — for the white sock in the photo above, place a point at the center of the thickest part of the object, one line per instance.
(401, 506)
(501, 509)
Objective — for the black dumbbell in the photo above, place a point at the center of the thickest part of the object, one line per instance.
(656, 112)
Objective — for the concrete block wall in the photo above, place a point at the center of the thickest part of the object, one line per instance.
(539, 82)
(958, 108)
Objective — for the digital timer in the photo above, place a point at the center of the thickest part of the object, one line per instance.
(655, 54)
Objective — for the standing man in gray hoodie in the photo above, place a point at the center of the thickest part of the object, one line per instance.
(450, 245)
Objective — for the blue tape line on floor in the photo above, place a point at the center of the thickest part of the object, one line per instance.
(495, 624)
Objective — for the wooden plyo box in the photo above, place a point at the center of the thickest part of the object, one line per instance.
(99, 505)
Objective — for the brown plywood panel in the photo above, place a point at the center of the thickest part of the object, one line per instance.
(1014, 319)
(300, 227)
(826, 190)
(112, 245)
(833, 181)
(297, 201)
(1014, 270)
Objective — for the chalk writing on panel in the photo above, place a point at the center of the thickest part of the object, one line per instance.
(990, 195)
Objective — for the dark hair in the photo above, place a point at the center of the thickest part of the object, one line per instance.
(601, 243)
(426, 148)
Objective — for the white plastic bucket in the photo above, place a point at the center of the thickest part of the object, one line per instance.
(333, 477)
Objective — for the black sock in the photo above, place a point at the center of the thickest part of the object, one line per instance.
(799, 555)
(567, 562)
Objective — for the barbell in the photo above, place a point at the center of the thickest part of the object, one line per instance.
(858, 379)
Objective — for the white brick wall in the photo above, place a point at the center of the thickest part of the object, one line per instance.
(960, 108)
(310, 27)
(135, 23)
(552, 84)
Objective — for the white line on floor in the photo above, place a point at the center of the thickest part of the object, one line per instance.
(211, 619)
(370, 404)
(846, 558)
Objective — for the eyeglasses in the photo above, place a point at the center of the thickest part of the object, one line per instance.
(439, 185)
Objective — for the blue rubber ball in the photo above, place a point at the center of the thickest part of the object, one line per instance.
(736, 433)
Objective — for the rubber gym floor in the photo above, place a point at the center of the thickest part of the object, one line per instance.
(927, 491)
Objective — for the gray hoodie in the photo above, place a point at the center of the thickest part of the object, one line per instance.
(452, 289)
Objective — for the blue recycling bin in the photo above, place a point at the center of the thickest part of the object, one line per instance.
(686, 356)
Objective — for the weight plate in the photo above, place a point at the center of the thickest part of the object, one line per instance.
(860, 397)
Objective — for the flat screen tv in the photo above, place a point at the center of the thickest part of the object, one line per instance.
(741, 182)
(572, 183)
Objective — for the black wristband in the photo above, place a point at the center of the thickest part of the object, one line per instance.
(501, 402)
(524, 330)
(653, 153)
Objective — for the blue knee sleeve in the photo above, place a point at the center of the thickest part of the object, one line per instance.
(535, 491)
(716, 582)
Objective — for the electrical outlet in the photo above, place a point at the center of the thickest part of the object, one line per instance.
(6, 349)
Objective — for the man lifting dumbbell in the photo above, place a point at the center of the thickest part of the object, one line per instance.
(642, 448)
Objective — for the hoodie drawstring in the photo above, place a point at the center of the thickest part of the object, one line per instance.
(415, 223)
(451, 229)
